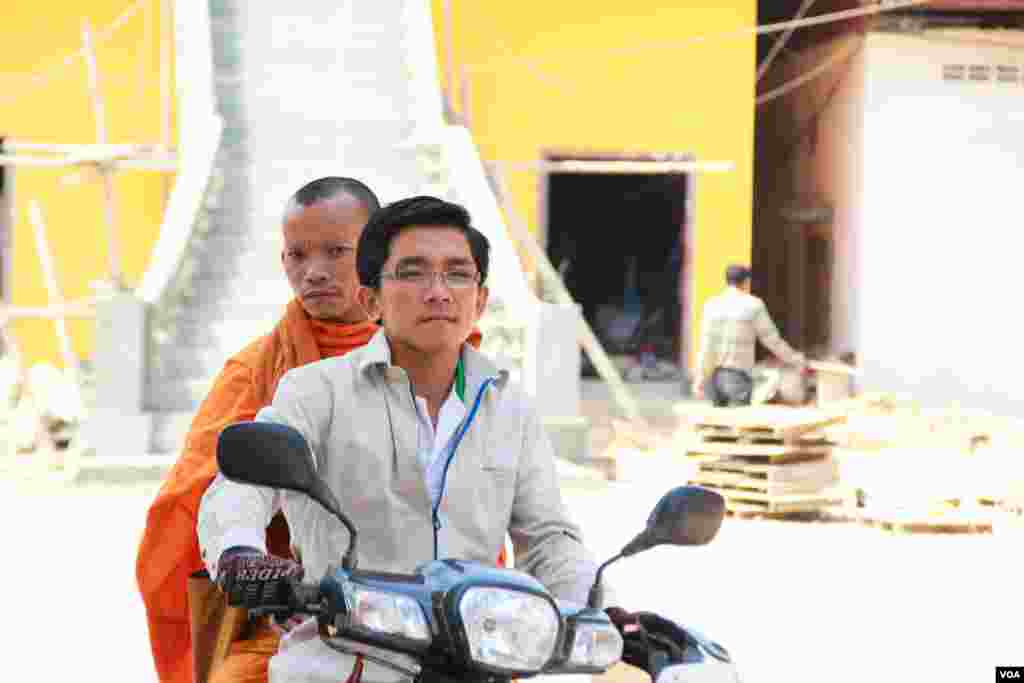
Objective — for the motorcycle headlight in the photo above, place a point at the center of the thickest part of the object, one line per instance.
(381, 613)
(595, 645)
(509, 630)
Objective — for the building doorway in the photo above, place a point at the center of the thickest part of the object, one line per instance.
(794, 256)
(620, 242)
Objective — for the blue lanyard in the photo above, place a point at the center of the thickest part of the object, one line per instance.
(451, 456)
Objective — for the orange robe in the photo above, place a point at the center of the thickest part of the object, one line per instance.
(169, 552)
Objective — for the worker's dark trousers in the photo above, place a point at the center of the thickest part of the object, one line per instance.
(729, 387)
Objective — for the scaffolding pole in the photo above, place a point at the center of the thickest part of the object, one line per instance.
(53, 293)
(588, 340)
(106, 173)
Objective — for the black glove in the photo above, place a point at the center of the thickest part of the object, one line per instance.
(650, 642)
(251, 578)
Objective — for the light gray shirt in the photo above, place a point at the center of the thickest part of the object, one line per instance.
(359, 416)
(733, 323)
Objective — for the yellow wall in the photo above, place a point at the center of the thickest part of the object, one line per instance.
(58, 110)
(544, 75)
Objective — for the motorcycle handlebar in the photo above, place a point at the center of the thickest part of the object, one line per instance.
(305, 595)
(301, 597)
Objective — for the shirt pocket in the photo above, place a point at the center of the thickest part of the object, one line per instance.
(499, 460)
(501, 457)
(496, 496)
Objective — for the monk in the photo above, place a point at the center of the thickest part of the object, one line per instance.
(322, 224)
(321, 227)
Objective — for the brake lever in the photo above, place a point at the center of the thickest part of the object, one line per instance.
(304, 598)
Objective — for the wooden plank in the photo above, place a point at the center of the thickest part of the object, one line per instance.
(165, 8)
(778, 510)
(760, 433)
(767, 417)
(616, 166)
(733, 429)
(742, 482)
(750, 511)
(83, 308)
(53, 292)
(748, 448)
(824, 470)
(796, 432)
(781, 423)
(723, 431)
(790, 458)
(764, 450)
(99, 115)
(930, 525)
(783, 503)
(835, 368)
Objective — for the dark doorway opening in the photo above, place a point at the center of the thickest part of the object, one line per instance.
(619, 242)
(793, 262)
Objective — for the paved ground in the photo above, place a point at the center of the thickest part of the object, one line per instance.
(795, 602)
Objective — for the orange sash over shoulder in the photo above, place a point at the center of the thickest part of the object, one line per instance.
(169, 551)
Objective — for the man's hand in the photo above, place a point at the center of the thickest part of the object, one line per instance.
(650, 642)
(251, 578)
(698, 388)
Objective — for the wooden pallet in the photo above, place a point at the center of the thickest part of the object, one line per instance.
(823, 467)
(775, 454)
(740, 500)
(711, 435)
(764, 423)
(768, 479)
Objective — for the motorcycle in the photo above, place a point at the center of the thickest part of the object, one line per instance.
(454, 620)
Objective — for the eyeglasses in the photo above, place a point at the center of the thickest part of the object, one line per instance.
(453, 279)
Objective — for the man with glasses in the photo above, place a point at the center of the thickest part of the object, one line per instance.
(429, 449)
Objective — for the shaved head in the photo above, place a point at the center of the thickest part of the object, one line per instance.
(321, 228)
(329, 188)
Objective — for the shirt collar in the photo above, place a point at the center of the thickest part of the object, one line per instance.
(478, 367)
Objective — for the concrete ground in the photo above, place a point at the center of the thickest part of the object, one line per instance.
(654, 401)
(794, 602)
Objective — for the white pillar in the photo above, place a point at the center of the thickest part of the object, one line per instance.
(552, 362)
(551, 374)
(117, 424)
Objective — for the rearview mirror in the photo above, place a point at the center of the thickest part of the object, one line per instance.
(266, 454)
(278, 456)
(686, 515)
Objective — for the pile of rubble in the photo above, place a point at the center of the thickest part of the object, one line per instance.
(932, 467)
(900, 466)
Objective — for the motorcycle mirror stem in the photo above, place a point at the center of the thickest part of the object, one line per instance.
(323, 495)
(278, 456)
(639, 543)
